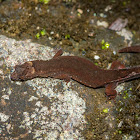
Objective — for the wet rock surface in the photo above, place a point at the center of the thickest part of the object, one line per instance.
(47, 108)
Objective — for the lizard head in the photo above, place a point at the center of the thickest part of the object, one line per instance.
(23, 72)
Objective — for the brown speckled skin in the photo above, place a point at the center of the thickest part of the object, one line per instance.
(132, 49)
(73, 67)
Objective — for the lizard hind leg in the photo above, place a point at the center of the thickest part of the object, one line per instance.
(110, 88)
(117, 65)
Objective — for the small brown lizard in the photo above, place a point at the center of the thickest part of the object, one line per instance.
(78, 69)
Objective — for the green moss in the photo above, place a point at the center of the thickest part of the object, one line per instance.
(43, 32)
(37, 35)
(124, 3)
(130, 88)
(120, 132)
(105, 110)
(96, 64)
(105, 45)
(67, 36)
(44, 1)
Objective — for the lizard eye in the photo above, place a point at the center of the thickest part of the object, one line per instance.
(19, 70)
(27, 73)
